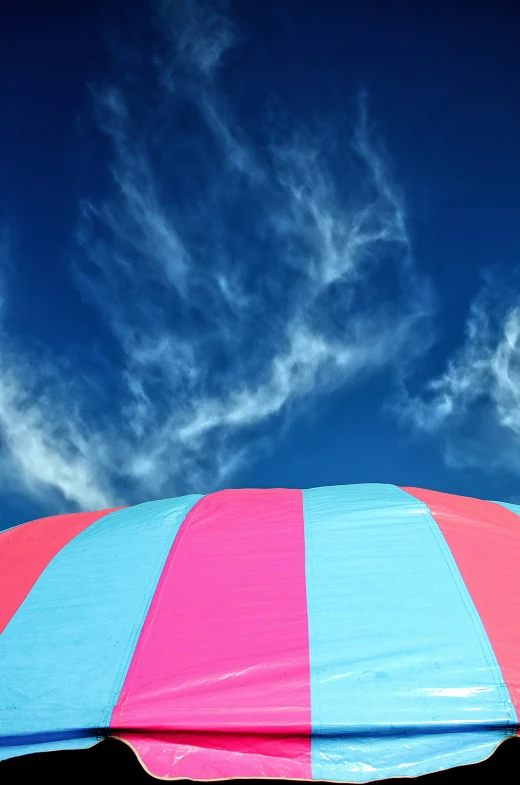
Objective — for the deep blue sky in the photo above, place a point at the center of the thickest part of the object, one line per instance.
(169, 175)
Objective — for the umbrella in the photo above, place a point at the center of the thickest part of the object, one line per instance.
(348, 633)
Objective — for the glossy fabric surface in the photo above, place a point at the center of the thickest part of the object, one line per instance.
(65, 652)
(222, 662)
(484, 540)
(349, 633)
(394, 636)
(26, 550)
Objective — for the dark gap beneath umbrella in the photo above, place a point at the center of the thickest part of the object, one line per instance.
(111, 761)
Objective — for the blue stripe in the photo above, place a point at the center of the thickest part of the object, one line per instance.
(65, 653)
(403, 678)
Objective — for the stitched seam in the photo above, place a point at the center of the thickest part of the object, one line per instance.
(140, 616)
(478, 625)
(177, 541)
(308, 534)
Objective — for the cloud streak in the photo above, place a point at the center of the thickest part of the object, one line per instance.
(234, 280)
(473, 406)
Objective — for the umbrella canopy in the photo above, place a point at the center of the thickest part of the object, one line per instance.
(348, 633)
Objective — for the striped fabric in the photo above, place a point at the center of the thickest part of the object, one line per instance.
(349, 633)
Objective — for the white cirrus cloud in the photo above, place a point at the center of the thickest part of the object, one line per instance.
(234, 280)
(473, 406)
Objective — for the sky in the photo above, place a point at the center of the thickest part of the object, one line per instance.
(250, 244)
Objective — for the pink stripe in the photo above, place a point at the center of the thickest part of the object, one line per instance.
(219, 682)
(26, 550)
(484, 539)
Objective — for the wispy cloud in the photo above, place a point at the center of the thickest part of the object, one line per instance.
(235, 280)
(197, 36)
(473, 406)
(45, 442)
